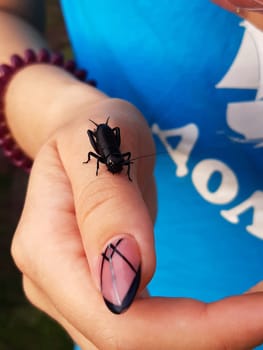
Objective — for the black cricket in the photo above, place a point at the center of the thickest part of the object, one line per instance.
(106, 142)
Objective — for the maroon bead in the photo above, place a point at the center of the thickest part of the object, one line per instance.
(5, 72)
(17, 154)
(8, 151)
(16, 61)
(26, 165)
(30, 56)
(3, 130)
(92, 82)
(3, 140)
(43, 55)
(2, 90)
(57, 59)
(8, 144)
(70, 66)
(17, 162)
(20, 160)
(80, 74)
(27, 170)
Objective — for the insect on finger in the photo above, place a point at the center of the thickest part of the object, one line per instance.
(106, 143)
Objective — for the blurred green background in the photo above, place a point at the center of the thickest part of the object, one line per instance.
(22, 327)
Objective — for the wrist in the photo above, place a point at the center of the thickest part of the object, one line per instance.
(41, 98)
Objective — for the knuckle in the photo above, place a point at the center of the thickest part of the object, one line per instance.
(28, 290)
(94, 197)
(108, 340)
(16, 253)
(21, 253)
(32, 294)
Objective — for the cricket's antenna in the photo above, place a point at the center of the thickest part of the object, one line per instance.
(148, 155)
(94, 122)
(107, 120)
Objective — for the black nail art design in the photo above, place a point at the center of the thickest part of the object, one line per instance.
(120, 274)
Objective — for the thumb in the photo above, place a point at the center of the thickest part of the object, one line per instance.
(113, 213)
(256, 288)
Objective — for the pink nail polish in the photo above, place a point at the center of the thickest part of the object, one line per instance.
(120, 273)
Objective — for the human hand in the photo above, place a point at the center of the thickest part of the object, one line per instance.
(251, 10)
(69, 216)
(232, 5)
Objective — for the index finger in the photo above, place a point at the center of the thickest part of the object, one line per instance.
(233, 323)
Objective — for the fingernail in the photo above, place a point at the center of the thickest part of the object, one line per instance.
(120, 273)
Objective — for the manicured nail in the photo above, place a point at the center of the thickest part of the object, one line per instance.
(120, 273)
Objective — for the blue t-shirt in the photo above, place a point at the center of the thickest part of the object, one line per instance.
(196, 72)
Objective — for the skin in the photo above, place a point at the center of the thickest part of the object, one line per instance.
(60, 235)
(253, 16)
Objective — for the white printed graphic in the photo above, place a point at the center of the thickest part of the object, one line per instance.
(246, 72)
(246, 120)
(254, 202)
(228, 188)
(181, 153)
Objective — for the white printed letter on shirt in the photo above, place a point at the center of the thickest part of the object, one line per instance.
(181, 154)
(228, 188)
(255, 202)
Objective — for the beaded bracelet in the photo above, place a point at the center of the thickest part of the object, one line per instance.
(9, 146)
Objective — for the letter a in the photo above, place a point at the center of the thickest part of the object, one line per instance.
(255, 202)
(181, 154)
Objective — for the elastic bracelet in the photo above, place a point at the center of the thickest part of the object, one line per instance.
(9, 146)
